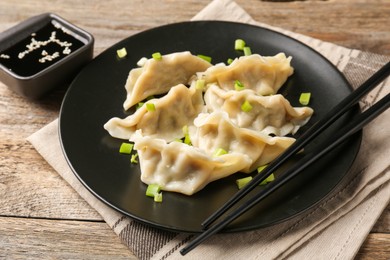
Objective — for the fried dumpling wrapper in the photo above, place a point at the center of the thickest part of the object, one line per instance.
(171, 112)
(263, 74)
(271, 114)
(157, 76)
(182, 168)
(216, 131)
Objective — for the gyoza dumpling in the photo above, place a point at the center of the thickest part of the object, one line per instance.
(183, 168)
(272, 114)
(171, 112)
(264, 74)
(214, 131)
(158, 76)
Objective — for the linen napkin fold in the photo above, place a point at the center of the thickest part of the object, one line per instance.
(335, 229)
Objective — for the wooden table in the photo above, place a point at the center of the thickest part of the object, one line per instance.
(40, 215)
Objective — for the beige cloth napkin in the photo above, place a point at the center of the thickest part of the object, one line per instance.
(335, 229)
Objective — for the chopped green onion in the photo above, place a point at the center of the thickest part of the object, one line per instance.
(246, 106)
(187, 139)
(133, 158)
(178, 140)
(229, 61)
(239, 44)
(150, 107)
(126, 148)
(247, 51)
(243, 181)
(204, 57)
(139, 105)
(304, 99)
(158, 197)
(152, 190)
(200, 83)
(157, 56)
(238, 85)
(121, 53)
(219, 152)
(261, 168)
(268, 179)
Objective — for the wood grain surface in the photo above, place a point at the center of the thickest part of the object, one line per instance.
(41, 217)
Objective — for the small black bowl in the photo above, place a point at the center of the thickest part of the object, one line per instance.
(42, 53)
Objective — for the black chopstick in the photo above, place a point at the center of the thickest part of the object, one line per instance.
(354, 126)
(358, 123)
(306, 137)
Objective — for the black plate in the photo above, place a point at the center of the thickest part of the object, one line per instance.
(97, 94)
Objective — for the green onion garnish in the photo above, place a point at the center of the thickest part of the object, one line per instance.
(150, 107)
(247, 51)
(187, 139)
(126, 148)
(219, 152)
(238, 85)
(246, 106)
(243, 181)
(200, 84)
(229, 61)
(206, 58)
(261, 168)
(269, 179)
(304, 99)
(239, 44)
(121, 53)
(139, 105)
(158, 197)
(152, 190)
(133, 158)
(157, 56)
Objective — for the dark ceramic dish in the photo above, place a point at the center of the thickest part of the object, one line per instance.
(98, 92)
(42, 53)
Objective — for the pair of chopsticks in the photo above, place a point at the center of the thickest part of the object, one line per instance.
(343, 134)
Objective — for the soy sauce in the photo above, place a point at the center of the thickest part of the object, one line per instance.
(40, 50)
